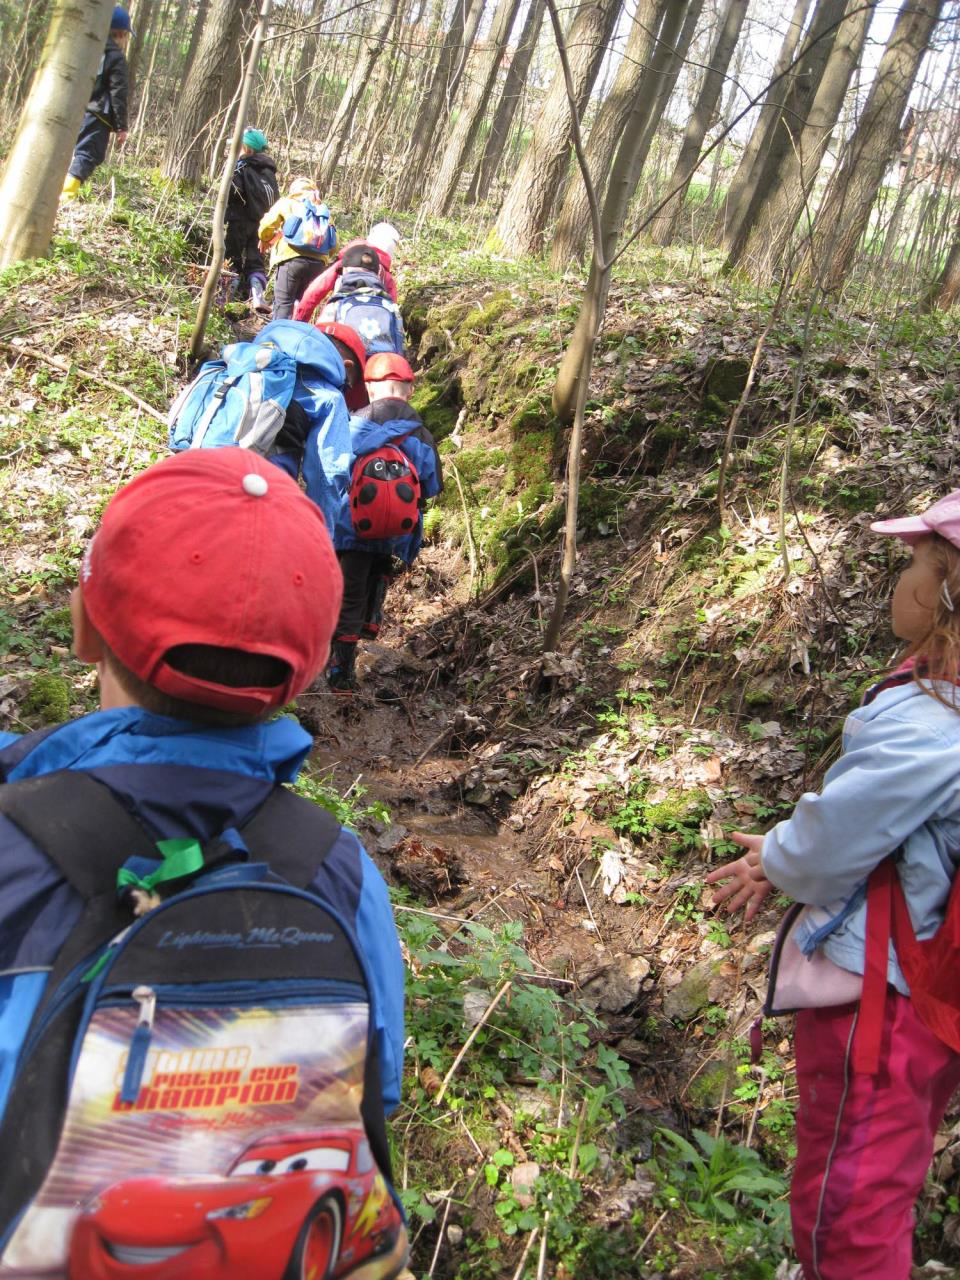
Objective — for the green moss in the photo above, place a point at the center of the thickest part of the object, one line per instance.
(48, 699)
(710, 1087)
(481, 319)
(678, 808)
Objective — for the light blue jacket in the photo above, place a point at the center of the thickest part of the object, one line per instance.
(896, 786)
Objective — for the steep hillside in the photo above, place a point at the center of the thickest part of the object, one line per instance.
(577, 1012)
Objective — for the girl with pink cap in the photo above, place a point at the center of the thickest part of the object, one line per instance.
(870, 860)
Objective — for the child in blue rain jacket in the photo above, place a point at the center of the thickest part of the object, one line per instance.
(368, 564)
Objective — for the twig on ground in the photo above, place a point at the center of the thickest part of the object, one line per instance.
(63, 365)
(468, 526)
(470, 1039)
(649, 1236)
(441, 1235)
(531, 1240)
(589, 908)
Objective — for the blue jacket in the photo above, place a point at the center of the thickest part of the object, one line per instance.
(182, 780)
(377, 424)
(897, 785)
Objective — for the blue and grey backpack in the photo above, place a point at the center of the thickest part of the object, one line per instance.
(310, 230)
(361, 301)
(240, 399)
(194, 1085)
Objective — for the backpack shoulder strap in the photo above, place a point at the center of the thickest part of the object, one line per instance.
(292, 835)
(79, 824)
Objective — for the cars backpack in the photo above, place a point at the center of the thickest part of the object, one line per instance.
(362, 303)
(240, 399)
(384, 493)
(196, 1085)
(310, 230)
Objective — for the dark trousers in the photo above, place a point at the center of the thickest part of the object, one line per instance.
(290, 284)
(91, 148)
(243, 254)
(365, 578)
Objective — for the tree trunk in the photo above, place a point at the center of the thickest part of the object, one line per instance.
(845, 210)
(783, 206)
(23, 57)
(339, 131)
(466, 15)
(510, 99)
(624, 176)
(785, 128)
(146, 11)
(226, 178)
(741, 185)
(456, 154)
(943, 293)
(634, 80)
(308, 51)
(520, 226)
(700, 119)
(203, 9)
(206, 92)
(44, 141)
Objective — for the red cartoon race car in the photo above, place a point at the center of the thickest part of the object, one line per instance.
(300, 1206)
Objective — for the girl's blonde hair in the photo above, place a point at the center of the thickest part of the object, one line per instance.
(938, 652)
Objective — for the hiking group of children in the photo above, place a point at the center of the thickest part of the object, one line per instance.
(200, 974)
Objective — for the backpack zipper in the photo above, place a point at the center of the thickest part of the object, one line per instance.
(146, 998)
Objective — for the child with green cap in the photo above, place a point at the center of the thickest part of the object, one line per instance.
(253, 190)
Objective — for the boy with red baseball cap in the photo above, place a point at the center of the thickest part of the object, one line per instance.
(367, 558)
(207, 600)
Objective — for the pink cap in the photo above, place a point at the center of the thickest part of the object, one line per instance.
(214, 547)
(943, 518)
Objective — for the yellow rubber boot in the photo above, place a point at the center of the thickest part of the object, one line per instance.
(71, 188)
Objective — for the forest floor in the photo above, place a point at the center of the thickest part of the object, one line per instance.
(546, 823)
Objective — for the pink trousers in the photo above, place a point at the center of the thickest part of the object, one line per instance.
(864, 1143)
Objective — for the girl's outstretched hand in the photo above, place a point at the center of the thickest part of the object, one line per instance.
(748, 885)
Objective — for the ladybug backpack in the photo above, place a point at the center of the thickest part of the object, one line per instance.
(384, 493)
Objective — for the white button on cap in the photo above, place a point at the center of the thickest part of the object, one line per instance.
(255, 485)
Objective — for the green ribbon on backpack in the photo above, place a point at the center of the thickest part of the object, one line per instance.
(180, 858)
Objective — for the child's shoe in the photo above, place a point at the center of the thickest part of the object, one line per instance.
(258, 289)
(342, 667)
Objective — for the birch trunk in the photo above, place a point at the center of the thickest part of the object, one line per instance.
(43, 144)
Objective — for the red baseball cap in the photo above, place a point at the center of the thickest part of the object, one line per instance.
(385, 366)
(349, 337)
(214, 547)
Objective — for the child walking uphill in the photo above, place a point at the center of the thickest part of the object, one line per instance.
(106, 111)
(394, 469)
(382, 241)
(302, 240)
(253, 189)
(199, 970)
(873, 856)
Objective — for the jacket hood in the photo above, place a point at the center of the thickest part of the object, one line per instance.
(261, 160)
(308, 346)
(273, 751)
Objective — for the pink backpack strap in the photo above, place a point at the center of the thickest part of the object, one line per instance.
(880, 893)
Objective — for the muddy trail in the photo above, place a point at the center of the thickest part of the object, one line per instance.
(410, 742)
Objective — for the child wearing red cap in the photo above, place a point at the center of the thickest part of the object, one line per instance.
(368, 563)
(874, 855)
(206, 601)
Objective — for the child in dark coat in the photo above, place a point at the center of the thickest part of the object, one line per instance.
(368, 563)
(253, 189)
(107, 109)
